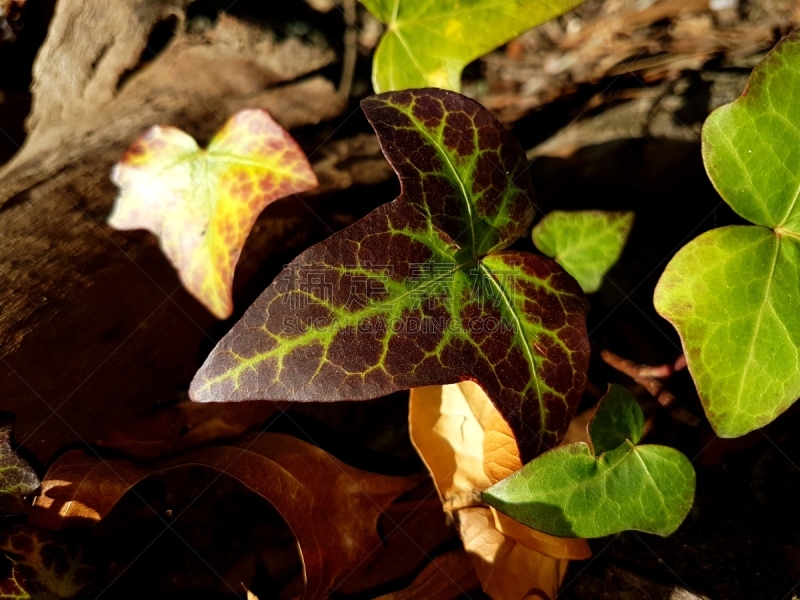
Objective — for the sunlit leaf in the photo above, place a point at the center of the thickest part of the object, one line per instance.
(44, 566)
(17, 478)
(733, 293)
(587, 243)
(506, 566)
(467, 447)
(331, 507)
(420, 291)
(428, 43)
(203, 203)
(571, 491)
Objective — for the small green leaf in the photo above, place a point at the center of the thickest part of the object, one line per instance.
(422, 290)
(618, 418)
(571, 492)
(733, 293)
(587, 243)
(17, 478)
(428, 44)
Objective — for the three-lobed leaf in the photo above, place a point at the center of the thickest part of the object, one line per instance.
(203, 203)
(420, 291)
(733, 293)
(587, 243)
(572, 491)
(428, 43)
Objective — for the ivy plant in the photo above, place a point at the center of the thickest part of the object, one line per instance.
(423, 290)
(613, 485)
(429, 43)
(733, 293)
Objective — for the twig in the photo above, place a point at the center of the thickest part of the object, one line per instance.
(350, 49)
(654, 380)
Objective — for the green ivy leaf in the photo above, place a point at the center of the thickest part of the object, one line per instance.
(429, 43)
(733, 293)
(587, 243)
(420, 291)
(17, 478)
(572, 492)
(616, 420)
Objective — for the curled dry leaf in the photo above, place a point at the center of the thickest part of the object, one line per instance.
(332, 508)
(203, 203)
(507, 568)
(446, 577)
(414, 532)
(185, 426)
(467, 446)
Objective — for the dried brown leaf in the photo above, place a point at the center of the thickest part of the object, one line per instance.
(446, 577)
(184, 426)
(467, 447)
(416, 530)
(332, 508)
(508, 570)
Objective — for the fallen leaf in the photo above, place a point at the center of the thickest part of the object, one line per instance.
(508, 570)
(430, 43)
(446, 577)
(422, 290)
(467, 447)
(17, 478)
(203, 203)
(415, 530)
(44, 565)
(449, 426)
(612, 486)
(331, 508)
(184, 426)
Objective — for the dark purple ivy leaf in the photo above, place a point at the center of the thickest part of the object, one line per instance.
(420, 292)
